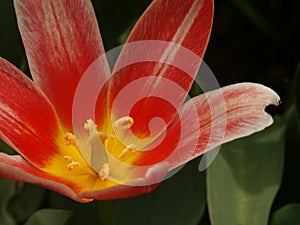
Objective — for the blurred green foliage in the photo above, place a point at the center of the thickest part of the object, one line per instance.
(50, 217)
(26, 200)
(7, 190)
(287, 215)
(245, 177)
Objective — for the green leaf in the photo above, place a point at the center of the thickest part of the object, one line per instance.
(287, 215)
(245, 177)
(179, 200)
(7, 190)
(289, 189)
(50, 217)
(26, 201)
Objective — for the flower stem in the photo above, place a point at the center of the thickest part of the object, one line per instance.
(106, 213)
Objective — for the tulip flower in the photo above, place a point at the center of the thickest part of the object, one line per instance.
(112, 151)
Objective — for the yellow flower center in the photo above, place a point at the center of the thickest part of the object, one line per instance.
(99, 145)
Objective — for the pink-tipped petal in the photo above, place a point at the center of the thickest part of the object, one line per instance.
(146, 184)
(61, 40)
(28, 122)
(16, 168)
(161, 57)
(226, 114)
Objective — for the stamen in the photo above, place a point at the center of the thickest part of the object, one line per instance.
(72, 163)
(70, 139)
(128, 148)
(124, 122)
(104, 172)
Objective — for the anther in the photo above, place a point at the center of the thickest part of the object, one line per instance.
(72, 163)
(128, 148)
(104, 172)
(70, 139)
(124, 122)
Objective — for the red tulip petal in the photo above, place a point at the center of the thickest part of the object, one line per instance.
(61, 40)
(217, 117)
(185, 22)
(16, 168)
(146, 184)
(28, 122)
(160, 59)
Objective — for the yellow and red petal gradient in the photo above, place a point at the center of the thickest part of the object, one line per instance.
(16, 168)
(29, 124)
(62, 40)
(185, 23)
(144, 184)
(28, 121)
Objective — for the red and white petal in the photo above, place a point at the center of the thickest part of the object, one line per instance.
(226, 114)
(61, 40)
(184, 22)
(142, 185)
(28, 122)
(16, 168)
(160, 59)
